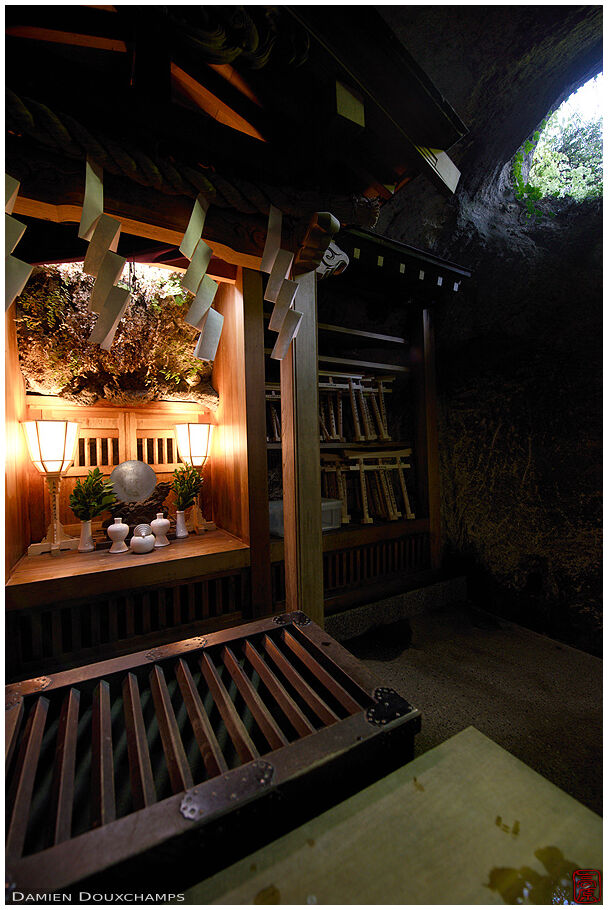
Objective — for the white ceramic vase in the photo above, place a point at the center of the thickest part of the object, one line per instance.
(117, 533)
(180, 524)
(160, 526)
(142, 543)
(86, 542)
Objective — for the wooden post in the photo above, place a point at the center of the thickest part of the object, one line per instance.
(250, 284)
(301, 461)
(426, 451)
(238, 457)
(432, 438)
(16, 457)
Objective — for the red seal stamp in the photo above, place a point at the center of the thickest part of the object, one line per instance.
(587, 884)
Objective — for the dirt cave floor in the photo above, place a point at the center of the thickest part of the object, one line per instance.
(539, 699)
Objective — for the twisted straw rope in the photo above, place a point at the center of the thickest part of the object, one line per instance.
(62, 131)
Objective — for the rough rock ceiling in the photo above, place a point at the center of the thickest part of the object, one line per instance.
(502, 68)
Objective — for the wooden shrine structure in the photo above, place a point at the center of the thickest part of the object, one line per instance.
(252, 107)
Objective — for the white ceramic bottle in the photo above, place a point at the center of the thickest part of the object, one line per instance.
(86, 542)
(180, 524)
(117, 533)
(160, 526)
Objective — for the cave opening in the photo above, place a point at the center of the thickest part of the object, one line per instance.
(563, 158)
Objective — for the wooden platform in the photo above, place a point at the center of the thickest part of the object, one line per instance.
(133, 772)
(466, 823)
(37, 580)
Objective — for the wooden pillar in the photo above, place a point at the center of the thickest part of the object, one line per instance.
(426, 452)
(432, 438)
(250, 284)
(17, 462)
(238, 457)
(301, 461)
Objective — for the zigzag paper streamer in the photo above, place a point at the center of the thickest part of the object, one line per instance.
(92, 204)
(273, 239)
(109, 273)
(11, 191)
(105, 238)
(109, 316)
(201, 303)
(194, 231)
(279, 273)
(13, 232)
(16, 274)
(289, 330)
(209, 338)
(198, 267)
(285, 299)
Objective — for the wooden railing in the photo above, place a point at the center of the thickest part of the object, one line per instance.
(366, 569)
(62, 635)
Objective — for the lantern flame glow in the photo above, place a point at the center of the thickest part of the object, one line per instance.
(51, 444)
(193, 441)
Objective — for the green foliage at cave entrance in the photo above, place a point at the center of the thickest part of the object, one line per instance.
(568, 158)
(567, 154)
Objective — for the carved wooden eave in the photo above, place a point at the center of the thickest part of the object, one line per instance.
(252, 106)
(405, 122)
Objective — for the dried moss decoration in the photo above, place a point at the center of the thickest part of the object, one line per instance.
(150, 359)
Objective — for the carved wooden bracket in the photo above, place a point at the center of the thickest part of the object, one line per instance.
(320, 232)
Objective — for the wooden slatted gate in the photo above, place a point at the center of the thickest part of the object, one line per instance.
(65, 633)
(370, 570)
(112, 761)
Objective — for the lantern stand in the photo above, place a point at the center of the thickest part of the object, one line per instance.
(51, 445)
(193, 442)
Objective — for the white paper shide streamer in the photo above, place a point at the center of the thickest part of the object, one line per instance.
(201, 303)
(289, 330)
(92, 205)
(194, 231)
(280, 290)
(197, 269)
(16, 272)
(284, 301)
(109, 273)
(101, 260)
(273, 239)
(110, 315)
(200, 314)
(105, 238)
(209, 339)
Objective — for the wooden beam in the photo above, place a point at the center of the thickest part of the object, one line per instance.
(443, 172)
(144, 212)
(202, 97)
(426, 453)
(301, 461)
(54, 36)
(250, 284)
(432, 437)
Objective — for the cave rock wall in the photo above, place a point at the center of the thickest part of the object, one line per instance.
(519, 354)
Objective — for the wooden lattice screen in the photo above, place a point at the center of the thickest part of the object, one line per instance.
(109, 435)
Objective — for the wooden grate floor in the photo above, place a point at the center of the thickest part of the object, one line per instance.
(87, 753)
